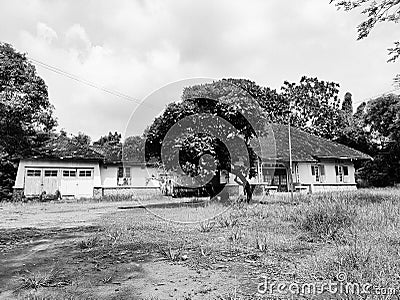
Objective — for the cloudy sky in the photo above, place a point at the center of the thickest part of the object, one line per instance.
(136, 47)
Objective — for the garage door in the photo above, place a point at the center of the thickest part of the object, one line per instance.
(85, 183)
(33, 182)
(69, 182)
(51, 181)
(77, 182)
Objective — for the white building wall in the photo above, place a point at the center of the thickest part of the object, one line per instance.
(139, 176)
(306, 176)
(108, 176)
(24, 163)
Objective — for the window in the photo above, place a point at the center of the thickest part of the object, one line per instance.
(69, 173)
(342, 173)
(120, 172)
(50, 173)
(315, 173)
(345, 171)
(224, 177)
(33, 173)
(128, 172)
(339, 173)
(322, 172)
(85, 173)
(296, 171)
(346, 177)
(124, 176)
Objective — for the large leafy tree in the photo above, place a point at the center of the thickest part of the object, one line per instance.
(314, 106)
(133, 149)
(375, 12)
(382, 120)
(207, 136)
(82, 139)
(26, 114)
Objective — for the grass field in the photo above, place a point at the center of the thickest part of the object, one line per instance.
(210, 251)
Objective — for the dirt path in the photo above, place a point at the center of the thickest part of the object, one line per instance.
(68, 214)
(37, 238)
(39, 241)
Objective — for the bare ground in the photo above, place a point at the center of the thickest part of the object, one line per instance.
(120, 250)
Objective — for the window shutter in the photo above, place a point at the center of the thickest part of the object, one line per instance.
(322, 169)
(345, 170)
(120, 172)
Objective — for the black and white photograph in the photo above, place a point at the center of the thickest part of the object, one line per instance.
(218, 150)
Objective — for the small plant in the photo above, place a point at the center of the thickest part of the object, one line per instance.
(261, 243)
(89, 243)
(117, 233)
(235, 236)
(206, 226)
(173, 254)
(228, 221)
(204, 252)
(32, 280)
(356, 255)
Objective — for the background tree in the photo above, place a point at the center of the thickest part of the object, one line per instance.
(82, 139)
(110, 139)
(347, 105)
(375, 12)
(314, 106)
(354, 132)
(382, 120)
(26, 115)
(133, 149)
(110, 145)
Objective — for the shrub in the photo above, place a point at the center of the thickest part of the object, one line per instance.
(206, 226)
(325, 216)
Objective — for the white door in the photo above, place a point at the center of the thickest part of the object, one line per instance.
(85, 183)
(33, 182)
(51, 181)
(69, 182)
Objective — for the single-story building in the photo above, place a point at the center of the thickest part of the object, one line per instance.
(82, 172)
(318, 164)
(87, 171)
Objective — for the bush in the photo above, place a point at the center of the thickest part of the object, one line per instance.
(325, 216)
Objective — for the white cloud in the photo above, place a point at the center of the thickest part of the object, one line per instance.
(137, 46)
(46, 33)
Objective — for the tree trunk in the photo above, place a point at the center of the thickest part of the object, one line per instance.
(248, 190)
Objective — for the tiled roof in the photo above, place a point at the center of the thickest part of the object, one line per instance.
(64, 148)
(305, 147)
(309, 147)
(110, 154)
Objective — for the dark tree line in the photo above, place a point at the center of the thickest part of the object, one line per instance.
(27, 121)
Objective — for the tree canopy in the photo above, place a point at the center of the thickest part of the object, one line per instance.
(375, 12)
(246, 107)
(382, 121)
(213, 126)
(26, 114)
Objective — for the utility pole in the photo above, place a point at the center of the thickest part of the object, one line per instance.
(290, 156)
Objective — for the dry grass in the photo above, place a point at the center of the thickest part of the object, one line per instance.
(314, 238)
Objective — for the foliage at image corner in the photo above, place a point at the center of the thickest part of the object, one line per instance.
(375, 12)
(26, 114)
